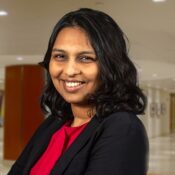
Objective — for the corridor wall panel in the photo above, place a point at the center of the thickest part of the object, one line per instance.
(23, 86)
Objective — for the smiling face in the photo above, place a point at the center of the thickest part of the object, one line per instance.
(73, 66)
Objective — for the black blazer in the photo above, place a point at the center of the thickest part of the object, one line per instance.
(116, 145)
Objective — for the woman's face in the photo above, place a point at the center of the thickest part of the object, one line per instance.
(73, 65)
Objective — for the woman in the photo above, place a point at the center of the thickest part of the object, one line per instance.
(93, 97)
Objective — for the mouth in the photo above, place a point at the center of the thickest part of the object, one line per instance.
(73, 86)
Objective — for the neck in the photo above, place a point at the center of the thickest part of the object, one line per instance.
(82, 114)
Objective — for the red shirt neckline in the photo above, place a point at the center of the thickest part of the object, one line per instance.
(61, 140)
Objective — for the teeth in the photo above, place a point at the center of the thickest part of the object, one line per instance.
(73, 84)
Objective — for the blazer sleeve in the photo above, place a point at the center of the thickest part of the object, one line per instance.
(20, 163)
(121, 149)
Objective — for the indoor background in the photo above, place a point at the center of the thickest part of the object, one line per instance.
(25, 28)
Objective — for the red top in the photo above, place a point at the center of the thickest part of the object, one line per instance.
(58, 144)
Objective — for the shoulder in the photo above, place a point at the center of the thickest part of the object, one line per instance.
(46, 125)
(122, 119)
(123, 123)
(121, 137)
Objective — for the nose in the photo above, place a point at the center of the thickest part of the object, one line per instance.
(71, 68)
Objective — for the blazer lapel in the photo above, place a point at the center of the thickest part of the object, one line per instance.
(65, 159)
(42, 144)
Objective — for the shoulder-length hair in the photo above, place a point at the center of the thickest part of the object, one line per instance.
(119, 89)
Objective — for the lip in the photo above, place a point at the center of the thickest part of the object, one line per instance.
(73, 89)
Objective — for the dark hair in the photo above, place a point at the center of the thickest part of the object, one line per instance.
(119, 90)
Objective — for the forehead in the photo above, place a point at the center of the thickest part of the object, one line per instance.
(72, 35)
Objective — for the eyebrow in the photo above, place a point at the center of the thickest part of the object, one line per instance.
(82, 52)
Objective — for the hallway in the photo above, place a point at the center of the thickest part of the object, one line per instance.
(162, 156)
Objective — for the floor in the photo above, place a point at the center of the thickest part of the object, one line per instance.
(4, 164)
(162, 156)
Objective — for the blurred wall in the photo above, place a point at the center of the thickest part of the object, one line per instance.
(157, 114)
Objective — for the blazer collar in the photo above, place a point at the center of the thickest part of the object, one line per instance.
(65, 159)
(41, 143)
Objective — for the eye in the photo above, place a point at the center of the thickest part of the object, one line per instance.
(59, 57)
(86, 59)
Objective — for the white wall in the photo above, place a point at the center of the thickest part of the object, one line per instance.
(157, 116)
(1, 86)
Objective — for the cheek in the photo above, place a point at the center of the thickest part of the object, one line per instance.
(97, 78)
(54, 70)
(94, 77)
(94, 73)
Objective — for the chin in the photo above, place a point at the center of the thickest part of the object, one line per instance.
(76, 101)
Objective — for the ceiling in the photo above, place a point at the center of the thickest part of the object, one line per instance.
(150, 27)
